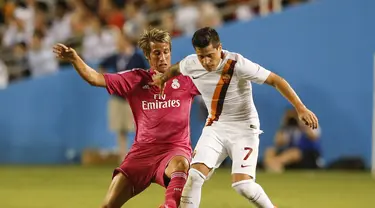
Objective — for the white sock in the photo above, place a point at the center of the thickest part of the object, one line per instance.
(253, 192)
(191, 194)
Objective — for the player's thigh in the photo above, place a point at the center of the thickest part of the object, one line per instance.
(119, 192)
(244, 154)
(138, 171)
(209, 151)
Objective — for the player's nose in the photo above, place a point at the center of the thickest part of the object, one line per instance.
(206, 61)
(162, 57)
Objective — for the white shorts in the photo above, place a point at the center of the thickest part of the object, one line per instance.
(238, 141)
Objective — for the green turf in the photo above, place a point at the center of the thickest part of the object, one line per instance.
(77, 187)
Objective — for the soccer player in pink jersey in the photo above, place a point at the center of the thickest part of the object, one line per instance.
(162, 150)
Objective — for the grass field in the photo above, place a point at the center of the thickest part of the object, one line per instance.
(78, 187)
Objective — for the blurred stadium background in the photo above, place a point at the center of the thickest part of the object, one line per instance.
(55, 146)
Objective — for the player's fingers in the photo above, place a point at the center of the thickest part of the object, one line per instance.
(312, 120)
(56, 49)
(155, 81)
(315, 120)
(313, 123)
(151, 83)
(307, 121)
(62, 46)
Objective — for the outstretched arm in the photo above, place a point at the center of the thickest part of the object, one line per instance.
(87, 73)
(287, 91)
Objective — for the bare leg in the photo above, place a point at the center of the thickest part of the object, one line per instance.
(119, 192)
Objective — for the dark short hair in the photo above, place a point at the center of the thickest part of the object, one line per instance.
(204, 37)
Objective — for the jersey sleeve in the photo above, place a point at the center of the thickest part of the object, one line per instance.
(251, 71)
(187, 64)
(121, 83)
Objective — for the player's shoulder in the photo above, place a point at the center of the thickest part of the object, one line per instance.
(240, 60)
(134, 72)
(183, 78)
(191, 60)
(191, 57)
(234, 56)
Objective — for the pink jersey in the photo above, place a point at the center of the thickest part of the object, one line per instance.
(160, 119)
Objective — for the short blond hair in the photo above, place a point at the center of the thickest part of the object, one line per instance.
(153, 35)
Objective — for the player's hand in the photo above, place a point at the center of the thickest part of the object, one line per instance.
(64, 53)
(308, 117)
(159, 81)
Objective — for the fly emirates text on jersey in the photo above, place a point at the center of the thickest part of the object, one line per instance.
(160, 102)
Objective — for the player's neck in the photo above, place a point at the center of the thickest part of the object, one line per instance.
(221, 60)
(218, 66)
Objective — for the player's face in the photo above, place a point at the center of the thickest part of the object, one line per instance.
(209, 56)
(160, 56)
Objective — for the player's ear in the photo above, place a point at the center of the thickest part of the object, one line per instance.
(219, 47)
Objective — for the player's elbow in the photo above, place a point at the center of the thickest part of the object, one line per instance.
(96, 79)
(92, 82)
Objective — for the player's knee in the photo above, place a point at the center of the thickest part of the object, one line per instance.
(180, 164)
(246, 188)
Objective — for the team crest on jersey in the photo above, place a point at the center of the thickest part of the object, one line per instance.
(175, 84)
(226, 78)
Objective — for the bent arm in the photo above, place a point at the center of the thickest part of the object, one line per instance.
(173, 71)
(285, 89)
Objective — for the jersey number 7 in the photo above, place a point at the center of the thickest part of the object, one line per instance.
(250, 150)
